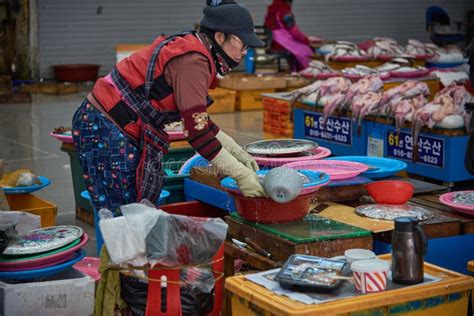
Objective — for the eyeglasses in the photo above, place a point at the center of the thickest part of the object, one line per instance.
(245, 47)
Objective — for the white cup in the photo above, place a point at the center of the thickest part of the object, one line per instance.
(370, 276)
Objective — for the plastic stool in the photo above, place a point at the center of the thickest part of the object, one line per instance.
(173, 293)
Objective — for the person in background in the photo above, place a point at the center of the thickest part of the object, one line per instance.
(286, 35)
(118, 130)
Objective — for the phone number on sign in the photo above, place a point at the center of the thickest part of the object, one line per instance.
(328, 136)
(400, 153)
(336, 130)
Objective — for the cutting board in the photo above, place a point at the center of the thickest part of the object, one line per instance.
(312, 228)
(347, 215)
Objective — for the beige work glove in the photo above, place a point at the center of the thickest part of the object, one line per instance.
(246, 179)
(238, 152)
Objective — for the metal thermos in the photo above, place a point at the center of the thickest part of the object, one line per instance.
(409, 245)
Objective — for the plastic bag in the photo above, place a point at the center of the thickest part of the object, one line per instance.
(181, 240)
(24, 222)
(26, 180)
(124, 236)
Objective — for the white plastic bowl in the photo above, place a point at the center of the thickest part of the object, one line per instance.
(353, 255)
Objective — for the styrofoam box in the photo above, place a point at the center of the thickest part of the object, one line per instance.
(67, 293)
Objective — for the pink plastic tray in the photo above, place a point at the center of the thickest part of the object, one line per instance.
(45, 264)
(176, 135)
(90, 267)
(337, 170)
(447, 199)
(411, 74)
(63, 138)
(317, 153)
(349, 58)
(45, 261)
(382, 76)
(384, 57)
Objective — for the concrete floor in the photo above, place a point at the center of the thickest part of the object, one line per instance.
(25, 143)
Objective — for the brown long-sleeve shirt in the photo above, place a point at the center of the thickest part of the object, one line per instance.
(189, 76)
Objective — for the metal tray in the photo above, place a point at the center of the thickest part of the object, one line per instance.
(306, 273)
(280, 147)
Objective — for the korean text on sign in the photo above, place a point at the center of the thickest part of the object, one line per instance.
(430, 149)
(336, 130)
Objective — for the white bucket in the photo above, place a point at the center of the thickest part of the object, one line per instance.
(370, 275)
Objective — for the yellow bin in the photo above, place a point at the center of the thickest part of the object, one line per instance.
(449, 296)
(34, 205)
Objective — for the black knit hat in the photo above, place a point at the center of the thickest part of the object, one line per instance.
(230, 18)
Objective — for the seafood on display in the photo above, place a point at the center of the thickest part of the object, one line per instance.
(365, 104)
(407, 90)
(362, 86)
(466, 198)
(417, 48)
(447, 106)
(390, 212)
(316, 68)
(360, 70)
(341, 49)
(329, 93)
(384, 46)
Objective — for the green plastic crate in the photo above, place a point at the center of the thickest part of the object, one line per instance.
(174, 182)
(78, 183)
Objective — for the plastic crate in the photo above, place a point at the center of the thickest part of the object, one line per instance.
(276, 117)
(174, 182)
(449, 296)
(248, 100)
(224, 101)
(78, 183)
(32, 204)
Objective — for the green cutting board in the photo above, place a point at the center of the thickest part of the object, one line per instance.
(311, 228)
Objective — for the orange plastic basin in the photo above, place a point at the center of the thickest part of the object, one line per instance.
(390, 191)
(265, 210)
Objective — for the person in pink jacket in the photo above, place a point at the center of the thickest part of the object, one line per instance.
(286, 35)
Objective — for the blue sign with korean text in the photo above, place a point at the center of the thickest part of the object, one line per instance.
(430, 149)
(336, 130)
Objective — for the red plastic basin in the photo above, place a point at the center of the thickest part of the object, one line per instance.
(76, 72)
(390, 191)
(265, 210)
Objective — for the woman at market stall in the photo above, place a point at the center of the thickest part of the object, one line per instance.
(119, 128)
(286, 35)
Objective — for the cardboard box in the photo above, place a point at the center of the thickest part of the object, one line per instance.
(224, 101)
(241, 81)
(67, 293)
(250, 100)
